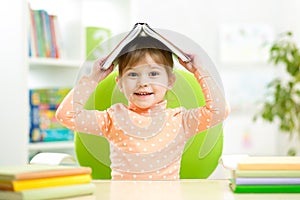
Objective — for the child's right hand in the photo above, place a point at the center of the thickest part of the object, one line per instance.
(98, 74)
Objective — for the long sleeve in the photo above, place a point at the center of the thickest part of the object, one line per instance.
(71, 112)
(213, 112)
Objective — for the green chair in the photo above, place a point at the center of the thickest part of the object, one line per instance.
(201, 154)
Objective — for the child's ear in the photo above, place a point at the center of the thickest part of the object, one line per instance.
(119, 83)
(172, 80)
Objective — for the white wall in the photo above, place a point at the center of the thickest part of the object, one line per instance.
(13, 86)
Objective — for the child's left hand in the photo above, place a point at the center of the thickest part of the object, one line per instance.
(190, 66)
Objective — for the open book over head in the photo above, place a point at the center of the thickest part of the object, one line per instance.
(143, 30)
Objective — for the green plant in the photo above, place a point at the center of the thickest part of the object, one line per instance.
(282, 101)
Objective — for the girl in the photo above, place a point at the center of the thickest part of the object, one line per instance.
(146, 138)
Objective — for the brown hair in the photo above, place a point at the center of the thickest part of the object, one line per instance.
(138, 49)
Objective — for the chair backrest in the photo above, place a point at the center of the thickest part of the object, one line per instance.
(93, 151)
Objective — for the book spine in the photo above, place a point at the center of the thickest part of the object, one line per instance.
(266, 181)
(49, 182)
(39, 33)
(266, 188)
(32, 34)
(267, 173)
(264, 166)
(46, 31)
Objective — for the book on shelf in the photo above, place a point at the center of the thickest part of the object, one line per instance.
(143, 29)
(94, 37)
(44, 34)
(49, 192)
(43, 125)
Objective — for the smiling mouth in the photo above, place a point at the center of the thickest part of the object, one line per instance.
(143, 93)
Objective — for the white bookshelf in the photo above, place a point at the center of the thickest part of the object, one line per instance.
(73, 17)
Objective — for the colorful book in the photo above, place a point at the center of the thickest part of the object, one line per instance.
(269, 163)
(44, 182)
(266, 181)
(265, 188)
(50, 192)
(37, 171)
(43, 123)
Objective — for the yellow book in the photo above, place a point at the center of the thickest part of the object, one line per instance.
(20, 185)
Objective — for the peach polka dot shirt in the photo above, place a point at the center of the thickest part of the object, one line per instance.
(144, 145)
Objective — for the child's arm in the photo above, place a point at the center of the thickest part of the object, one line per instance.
(71, 112)
(216, 108)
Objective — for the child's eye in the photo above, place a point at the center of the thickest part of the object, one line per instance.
(153, 74)
(132, 74)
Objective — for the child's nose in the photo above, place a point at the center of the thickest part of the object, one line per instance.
(143, 81)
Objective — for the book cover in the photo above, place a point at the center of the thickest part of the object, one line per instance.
(94, 37)
(43, 124)
(18, 185)
(264, 188)
(269, 163)
(50, 192)
(141, 29)
(37, 171)
(266, 181)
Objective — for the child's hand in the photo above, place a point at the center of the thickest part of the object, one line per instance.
(98, 74)
(190, 66)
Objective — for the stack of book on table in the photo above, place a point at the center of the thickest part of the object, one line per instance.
(266, 174)
(34, 181)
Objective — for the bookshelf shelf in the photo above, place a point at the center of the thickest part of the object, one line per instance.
(52, 62)
(40, 146)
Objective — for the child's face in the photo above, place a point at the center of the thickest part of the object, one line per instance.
(145, 83)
